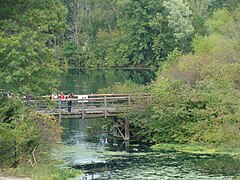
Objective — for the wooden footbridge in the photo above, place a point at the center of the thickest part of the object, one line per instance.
(93, 106)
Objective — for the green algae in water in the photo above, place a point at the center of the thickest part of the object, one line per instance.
(170, 165)
(114, 164)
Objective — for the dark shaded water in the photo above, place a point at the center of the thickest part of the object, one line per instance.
(115, 159)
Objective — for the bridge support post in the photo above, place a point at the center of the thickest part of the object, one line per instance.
(127, 132)
(127, 146)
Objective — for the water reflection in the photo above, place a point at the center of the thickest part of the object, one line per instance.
(81, 150)
(82, 81)
(101, 144)
(140, 163)
(165, 165)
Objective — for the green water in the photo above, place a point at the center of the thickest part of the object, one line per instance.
(116, 159)
(113, 162)
(82, 81)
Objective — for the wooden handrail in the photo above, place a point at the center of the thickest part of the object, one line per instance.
(102, 95)
(100, 105)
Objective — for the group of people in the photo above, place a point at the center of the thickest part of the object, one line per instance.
(62, 96)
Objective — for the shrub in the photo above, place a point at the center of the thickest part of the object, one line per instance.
(24, 135)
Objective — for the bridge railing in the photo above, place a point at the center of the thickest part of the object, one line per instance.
(88, 104)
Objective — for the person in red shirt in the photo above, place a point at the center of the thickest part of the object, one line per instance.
(62, 96)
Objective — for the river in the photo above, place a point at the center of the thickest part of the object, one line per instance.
(103, 157)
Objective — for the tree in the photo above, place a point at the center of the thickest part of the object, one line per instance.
(142, 26)
(86, 20)
(126, 32)
(30, 40)
(30, 35)
(150, 30)
(179, 18)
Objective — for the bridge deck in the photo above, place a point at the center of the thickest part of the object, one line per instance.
(86, 113)
(91, 106)
(87, 106)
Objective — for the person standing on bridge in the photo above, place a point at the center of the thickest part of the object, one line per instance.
(62, 97)
(70, 102)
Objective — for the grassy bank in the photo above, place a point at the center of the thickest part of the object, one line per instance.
(42, 172)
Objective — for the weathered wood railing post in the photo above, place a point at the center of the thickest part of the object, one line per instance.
(129, 99)
(82, 108)
(105, 106)
(35, 105)
(115, 132)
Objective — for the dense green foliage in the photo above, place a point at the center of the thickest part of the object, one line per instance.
(30, 40)
(134, 33)
(25, 137)
(99, 33)
(121, 33)
(30, 35)
(196, 97)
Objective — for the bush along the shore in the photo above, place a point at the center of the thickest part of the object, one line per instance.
(25, 136)
(196, 97)
(26, 140)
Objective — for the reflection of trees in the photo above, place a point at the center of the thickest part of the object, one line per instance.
(83, 81)
(215, 164)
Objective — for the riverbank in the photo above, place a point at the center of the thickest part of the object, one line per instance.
(13, 178)
(39, 172)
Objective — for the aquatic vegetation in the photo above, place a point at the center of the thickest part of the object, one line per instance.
(164, 163)
(191, 148)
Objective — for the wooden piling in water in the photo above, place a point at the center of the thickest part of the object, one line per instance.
(127, 132)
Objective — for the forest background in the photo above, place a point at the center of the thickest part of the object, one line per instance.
(193, 44)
